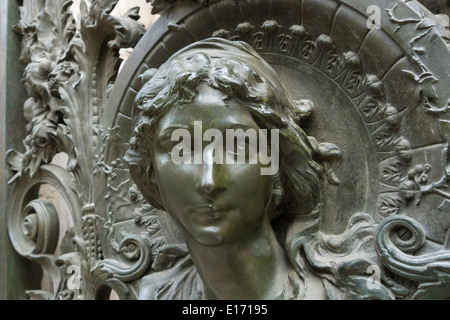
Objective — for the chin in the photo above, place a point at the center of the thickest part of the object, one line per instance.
(209, 236)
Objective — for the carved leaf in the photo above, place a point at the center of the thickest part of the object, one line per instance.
(128, 29)
(392, 172)
(425, 23)
(390, 204)
(15, 161)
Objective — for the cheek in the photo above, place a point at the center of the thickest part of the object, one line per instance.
(171, 178)
(251, 185)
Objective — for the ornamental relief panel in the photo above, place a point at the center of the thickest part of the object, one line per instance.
(359, 208)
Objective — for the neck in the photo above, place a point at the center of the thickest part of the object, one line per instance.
(254, 268)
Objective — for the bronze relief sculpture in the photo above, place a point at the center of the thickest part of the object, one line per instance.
(247, 244)
(354, 205)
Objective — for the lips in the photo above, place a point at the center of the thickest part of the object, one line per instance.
(209, 212)
(209, 207)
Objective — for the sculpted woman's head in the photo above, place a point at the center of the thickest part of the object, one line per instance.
(224, 84)
(230, 214)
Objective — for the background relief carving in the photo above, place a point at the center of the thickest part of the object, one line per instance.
(372, 89)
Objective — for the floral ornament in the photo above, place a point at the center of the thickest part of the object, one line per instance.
(425, 82)
(67, 62)
(410, 188)
(70, 63)
(417, 184)
(426, 91)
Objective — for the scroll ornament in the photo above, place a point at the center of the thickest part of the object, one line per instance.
(71, 64)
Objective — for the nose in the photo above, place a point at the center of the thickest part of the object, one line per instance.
(211, 181)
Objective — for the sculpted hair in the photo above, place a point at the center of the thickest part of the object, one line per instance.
(175, 84)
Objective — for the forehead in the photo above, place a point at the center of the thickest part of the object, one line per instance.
(210, 108)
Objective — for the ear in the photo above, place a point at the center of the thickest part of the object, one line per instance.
(149, 188)
(277, 194)
(277, 190)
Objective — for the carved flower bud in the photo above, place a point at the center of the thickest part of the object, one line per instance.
(244, 27)
(408, 190)
(298, 31)
(392, 117)
(423, 179)
(419, 168)
(353, 60)
(137, 217)
(375, 86)
(403, 150)
(326, 42)
(421, 171)
(270, 26)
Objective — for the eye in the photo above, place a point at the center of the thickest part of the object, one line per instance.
(167, 145)
(180, 150)
(242, 149)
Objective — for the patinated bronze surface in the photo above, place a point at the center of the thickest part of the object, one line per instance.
(357, 206)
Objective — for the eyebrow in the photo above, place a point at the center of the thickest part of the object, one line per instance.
(235, 126)
(167, 132)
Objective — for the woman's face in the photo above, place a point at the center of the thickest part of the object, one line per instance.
(213, 203)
